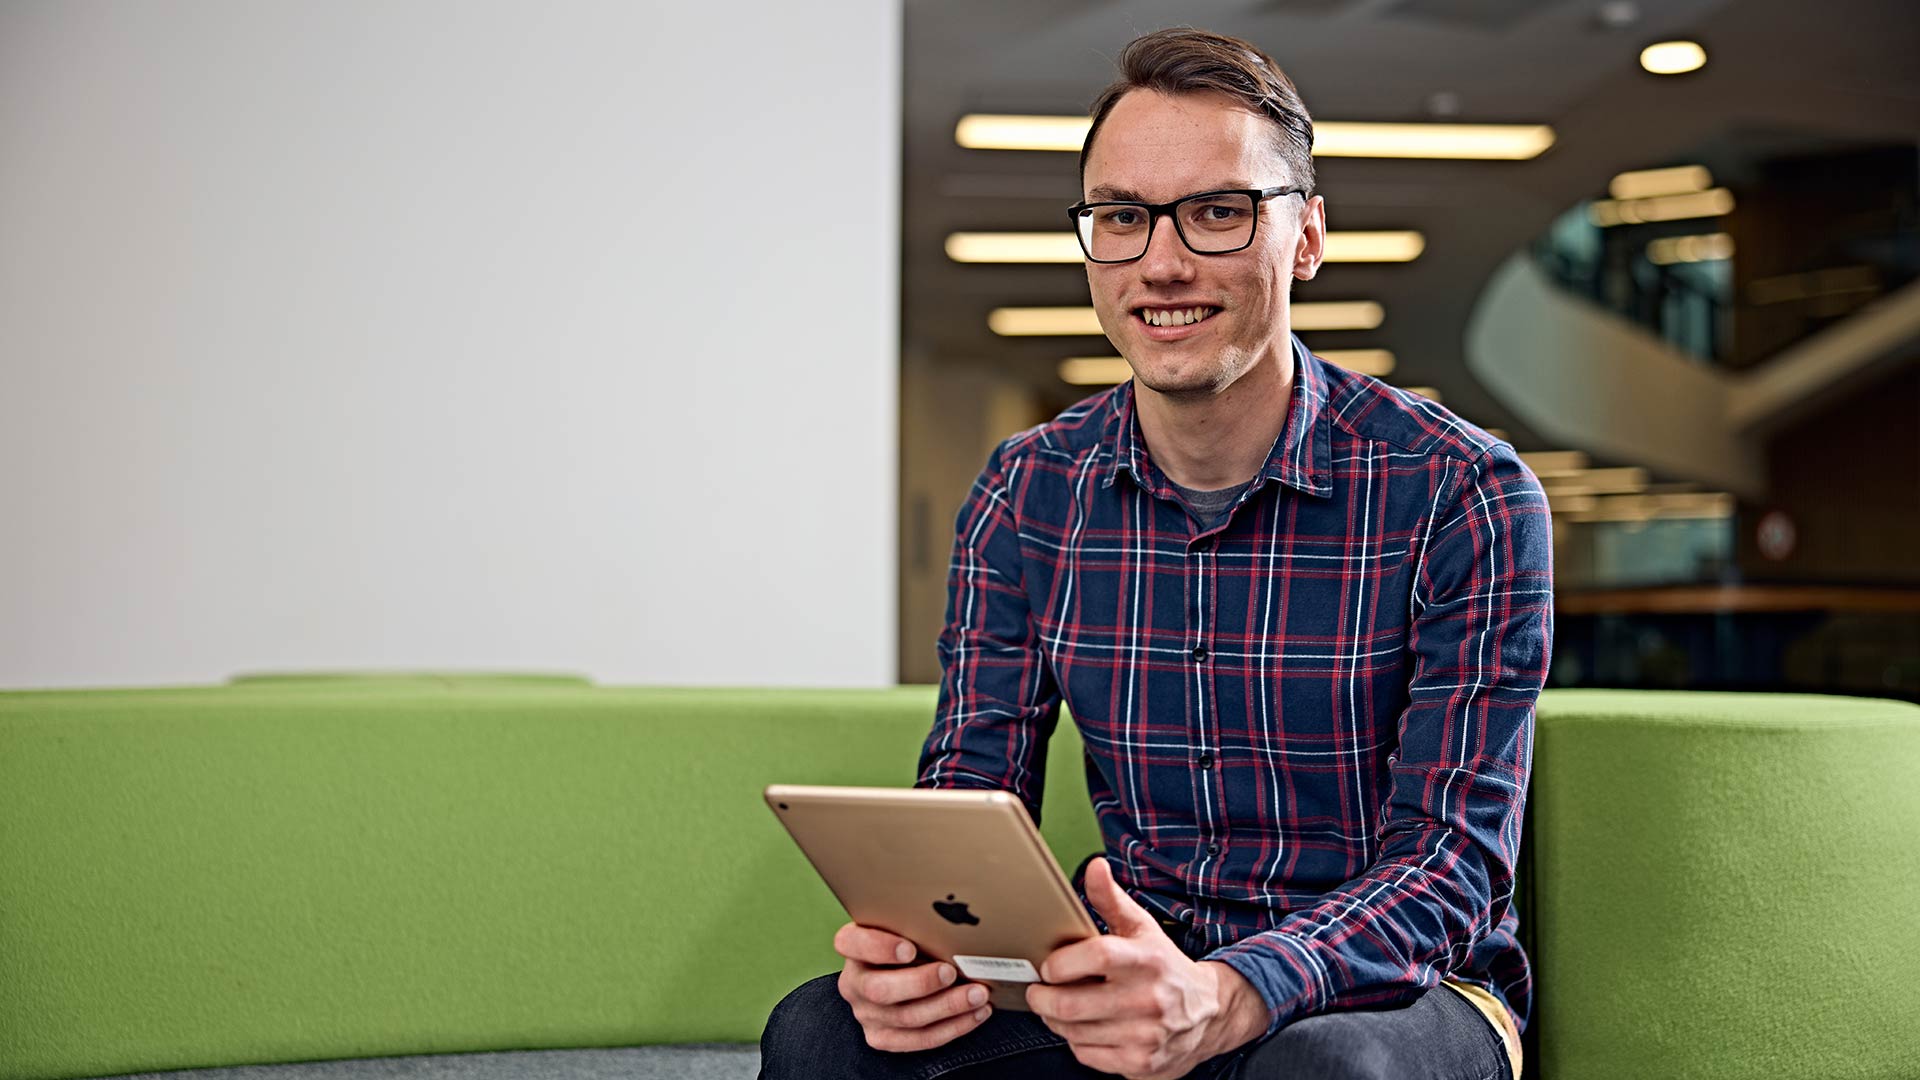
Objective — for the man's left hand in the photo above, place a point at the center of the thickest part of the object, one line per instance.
(1157, 1014)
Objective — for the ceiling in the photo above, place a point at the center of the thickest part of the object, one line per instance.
(1775, 72)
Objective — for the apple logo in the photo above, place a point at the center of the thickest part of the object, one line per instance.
(955, 913)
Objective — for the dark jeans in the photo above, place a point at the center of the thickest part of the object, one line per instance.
(1439, 1036)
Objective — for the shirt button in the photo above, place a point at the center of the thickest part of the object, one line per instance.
(1199, 652)
(1204, 760)
(1213, 849)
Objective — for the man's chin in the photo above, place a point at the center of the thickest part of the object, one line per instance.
(1201, 372)
(1183, 384)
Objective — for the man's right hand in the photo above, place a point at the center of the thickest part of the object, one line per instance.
(902, 1005)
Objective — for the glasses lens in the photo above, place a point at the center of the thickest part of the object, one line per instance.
(1216, 223)
(1113, 233)
(1210, 224)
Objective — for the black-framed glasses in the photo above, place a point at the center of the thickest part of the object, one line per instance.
(1209, 223)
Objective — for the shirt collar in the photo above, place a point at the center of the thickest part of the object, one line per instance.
(1302, 457)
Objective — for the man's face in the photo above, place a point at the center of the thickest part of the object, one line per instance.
(1156, 148)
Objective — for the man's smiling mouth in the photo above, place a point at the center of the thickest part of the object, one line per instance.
(1185, 316)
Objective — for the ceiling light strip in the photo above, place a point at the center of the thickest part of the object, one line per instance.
(1332, 138)
(1107, 370)
(1378, 363)
(1061, 247)
(1607, 213)
(1708, 247)
(1071, 321)
(1555, 463)
(1095, 370)
(1647, 183)
(1611, 481)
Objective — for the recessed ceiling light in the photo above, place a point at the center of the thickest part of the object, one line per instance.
(1331, 138)
(1072, 321)
(1673, 57)
(1647, 183)
(1618, 14)
(1061, 247)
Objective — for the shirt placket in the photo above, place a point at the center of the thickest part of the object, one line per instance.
(1203, 568)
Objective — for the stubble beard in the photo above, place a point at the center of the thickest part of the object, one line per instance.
(1220, 372)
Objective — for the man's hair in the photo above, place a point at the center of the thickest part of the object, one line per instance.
(1187, 61)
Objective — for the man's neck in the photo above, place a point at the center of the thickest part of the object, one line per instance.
(1218, 440)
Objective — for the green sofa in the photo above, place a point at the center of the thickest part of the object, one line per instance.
(308, 869)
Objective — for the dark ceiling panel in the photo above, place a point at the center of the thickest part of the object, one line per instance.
(1304, 7)
(1493, 15)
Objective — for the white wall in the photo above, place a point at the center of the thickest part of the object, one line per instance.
(440, 334)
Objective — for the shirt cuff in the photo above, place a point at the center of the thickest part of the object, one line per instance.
(1284, 970)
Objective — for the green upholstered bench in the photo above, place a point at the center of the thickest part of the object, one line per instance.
(296, 868)
(301, 869)
(1725, 886)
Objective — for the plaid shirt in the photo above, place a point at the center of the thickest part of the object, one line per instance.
(1308, 730)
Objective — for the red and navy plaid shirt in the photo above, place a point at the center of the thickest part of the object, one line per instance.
(1309, 728)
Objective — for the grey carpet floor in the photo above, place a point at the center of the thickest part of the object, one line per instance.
(692, 1062)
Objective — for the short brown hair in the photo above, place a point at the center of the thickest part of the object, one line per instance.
(1186, 61)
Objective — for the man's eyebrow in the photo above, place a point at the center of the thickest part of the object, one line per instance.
(1121, 194)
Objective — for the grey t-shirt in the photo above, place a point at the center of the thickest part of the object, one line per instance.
(1210, 508)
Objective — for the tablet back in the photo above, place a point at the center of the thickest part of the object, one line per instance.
(959, 873)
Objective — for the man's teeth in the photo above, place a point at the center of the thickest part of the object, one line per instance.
(1175, 316)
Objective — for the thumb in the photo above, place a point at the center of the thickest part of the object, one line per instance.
(1127, 918)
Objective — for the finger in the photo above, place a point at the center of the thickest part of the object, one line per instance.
(903, 1040)
(1082, 1003)
(927, 1011)
(872, 946)
(1098, 957)
(894, 986)
(1122, 912)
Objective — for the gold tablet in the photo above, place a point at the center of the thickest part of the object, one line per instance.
(962, 874)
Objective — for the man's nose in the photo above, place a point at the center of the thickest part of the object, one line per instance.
(1167, 257)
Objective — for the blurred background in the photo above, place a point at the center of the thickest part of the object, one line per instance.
(1679, 280)
(661, 344)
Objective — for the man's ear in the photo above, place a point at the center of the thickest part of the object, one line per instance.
(1312, 245)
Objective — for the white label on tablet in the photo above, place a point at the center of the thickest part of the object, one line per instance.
(997, 969)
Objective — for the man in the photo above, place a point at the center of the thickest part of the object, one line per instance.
(1301, 619)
